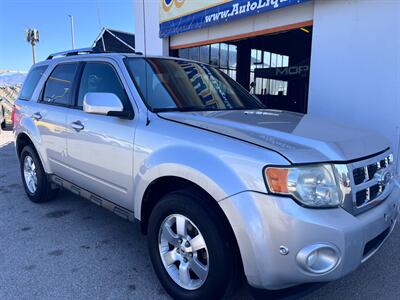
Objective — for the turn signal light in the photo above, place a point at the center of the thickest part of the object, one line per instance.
(277, 180)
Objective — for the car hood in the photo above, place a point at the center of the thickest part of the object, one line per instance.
(300, 138)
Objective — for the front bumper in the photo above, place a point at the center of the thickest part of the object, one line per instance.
(263, 223)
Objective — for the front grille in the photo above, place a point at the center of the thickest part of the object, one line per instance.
(372, 193)
(368, 180)
(375, 190)
(372, 170)
(359, 175)
(361, 196)
(383, 163)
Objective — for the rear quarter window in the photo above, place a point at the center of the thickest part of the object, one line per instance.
(31, 82)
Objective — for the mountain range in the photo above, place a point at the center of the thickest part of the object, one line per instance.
(10, 78)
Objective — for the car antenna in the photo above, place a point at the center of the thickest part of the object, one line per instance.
(145, 62)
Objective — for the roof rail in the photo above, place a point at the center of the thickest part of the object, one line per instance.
(71, 52)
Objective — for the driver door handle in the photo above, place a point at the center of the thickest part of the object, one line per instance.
(37, 116)
(77, 125)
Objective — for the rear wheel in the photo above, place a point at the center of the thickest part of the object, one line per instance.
(34, 178)
(191, 254)
(3, 124)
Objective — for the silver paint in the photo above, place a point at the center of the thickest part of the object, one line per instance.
(225, 154)
(101, 103)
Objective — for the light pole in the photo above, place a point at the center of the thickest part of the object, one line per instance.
(71, 17)
(32, 37)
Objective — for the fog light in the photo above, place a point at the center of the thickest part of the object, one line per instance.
(312, 258)
(318, 258)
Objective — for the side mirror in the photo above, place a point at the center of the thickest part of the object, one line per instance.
(104, 104)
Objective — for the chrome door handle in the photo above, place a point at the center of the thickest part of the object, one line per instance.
(77, 125)
(37, 116)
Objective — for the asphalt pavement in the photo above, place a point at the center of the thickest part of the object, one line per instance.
(70, 248)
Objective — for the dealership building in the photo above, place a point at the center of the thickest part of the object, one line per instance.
(335, 59)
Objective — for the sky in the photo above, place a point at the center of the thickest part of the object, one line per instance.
(50, 17)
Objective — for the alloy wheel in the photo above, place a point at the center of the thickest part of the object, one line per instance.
(183, 252)
(30, 175)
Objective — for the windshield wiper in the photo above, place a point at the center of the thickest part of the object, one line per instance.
(183, 109)
(195, 108)
(157, 110)
(199, 108)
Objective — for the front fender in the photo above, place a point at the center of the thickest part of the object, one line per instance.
(212, 173)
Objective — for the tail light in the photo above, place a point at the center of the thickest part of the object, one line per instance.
(13, 116)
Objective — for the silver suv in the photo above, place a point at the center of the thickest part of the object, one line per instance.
(222, 186)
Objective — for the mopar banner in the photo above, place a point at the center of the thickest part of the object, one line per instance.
(177, 16)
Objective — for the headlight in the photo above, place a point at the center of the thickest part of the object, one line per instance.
(312, 186)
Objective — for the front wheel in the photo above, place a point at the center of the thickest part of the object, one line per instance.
(191, 254)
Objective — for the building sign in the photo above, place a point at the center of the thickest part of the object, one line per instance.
(283, 73)
(177, 16)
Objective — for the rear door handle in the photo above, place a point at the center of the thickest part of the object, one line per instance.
(37, 116)
(77, 125)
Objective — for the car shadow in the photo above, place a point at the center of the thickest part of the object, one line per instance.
(286, 294)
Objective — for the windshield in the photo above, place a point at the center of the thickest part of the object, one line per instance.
(178, 85)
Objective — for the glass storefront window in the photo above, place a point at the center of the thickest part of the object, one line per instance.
(285, 61)
(184, 53)
(232, 57)
(265, 59)
(194, 53)
(277, 65)
(224, 55)
(274, 57)
(214, 57)
(205, 54)
(253, 59)
(256, 58)
(232, 74)
(259, 85)
(279, 61)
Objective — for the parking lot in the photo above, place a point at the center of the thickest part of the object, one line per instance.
(71, 249)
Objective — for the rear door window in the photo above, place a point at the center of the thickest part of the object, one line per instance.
(58, 88)
(31, 82)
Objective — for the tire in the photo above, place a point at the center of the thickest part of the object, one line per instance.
(219, 256)
(3, 124)
(42, 191)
